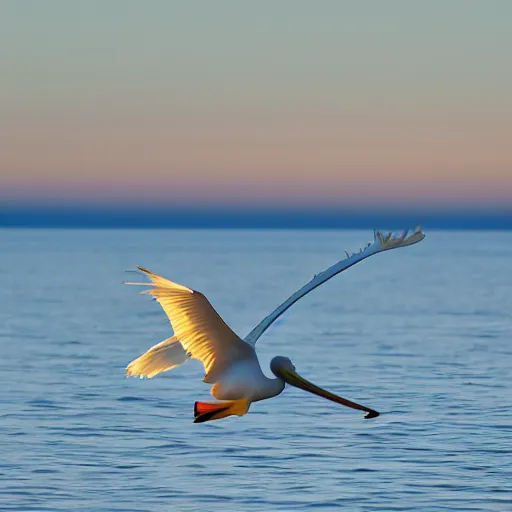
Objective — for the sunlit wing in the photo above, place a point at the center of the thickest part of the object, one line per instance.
(199, 328)
(380, 243)
(162, 357)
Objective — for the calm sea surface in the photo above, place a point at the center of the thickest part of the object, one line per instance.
(422, 334)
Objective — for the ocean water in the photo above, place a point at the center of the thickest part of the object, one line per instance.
(422, 334)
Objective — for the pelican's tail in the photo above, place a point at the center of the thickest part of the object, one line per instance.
(204, 411)
(160, 358)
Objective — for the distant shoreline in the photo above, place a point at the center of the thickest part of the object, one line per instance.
(124, 218)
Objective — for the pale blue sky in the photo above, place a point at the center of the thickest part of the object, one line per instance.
(306, 98)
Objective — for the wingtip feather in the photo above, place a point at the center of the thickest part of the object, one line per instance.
(388, 241)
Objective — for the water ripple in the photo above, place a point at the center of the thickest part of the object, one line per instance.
(434, 358)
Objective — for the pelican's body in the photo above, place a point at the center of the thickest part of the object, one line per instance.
(231, 364)
(245, 380)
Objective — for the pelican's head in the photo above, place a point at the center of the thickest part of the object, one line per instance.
(280, 363)
(283, 369)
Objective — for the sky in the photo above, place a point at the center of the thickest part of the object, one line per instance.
(228, 103)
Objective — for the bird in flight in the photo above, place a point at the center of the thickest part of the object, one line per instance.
(230, 362)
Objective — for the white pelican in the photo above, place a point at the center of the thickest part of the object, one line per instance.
(230, 363)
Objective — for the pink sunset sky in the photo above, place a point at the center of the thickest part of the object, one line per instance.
(267, 103)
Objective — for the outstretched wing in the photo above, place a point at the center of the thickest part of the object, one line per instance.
(199, 328)
(164, 356)
(380, 243)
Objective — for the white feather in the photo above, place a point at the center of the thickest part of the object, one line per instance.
(162, 357)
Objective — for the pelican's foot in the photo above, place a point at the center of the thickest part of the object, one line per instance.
(208, 411)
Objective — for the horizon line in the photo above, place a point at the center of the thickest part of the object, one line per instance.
(18, 216)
